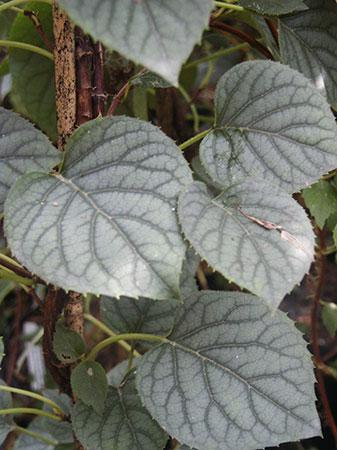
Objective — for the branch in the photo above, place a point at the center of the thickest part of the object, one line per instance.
(228, 29)
(320, 273)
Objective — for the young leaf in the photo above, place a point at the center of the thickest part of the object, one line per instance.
(33, 74)
(108, 224)
(308, 44)
(68, 346)
(124, 424)
(23, 149)
(158, 35)
(271, 123)
(273, 7)
(321, 199)
(89, 384)
(329, 317)
(252, 233)
(231, 376)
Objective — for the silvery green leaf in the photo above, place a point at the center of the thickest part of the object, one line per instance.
(231, 376)
(273, 7)
(33, 90)
(143, 315)
(308, 44)
(60, 431)
(6, 421)
(272, 124)
(107, 224)
(124, 425)
(23, 149)
(188, 282)
(25, 442)
(159, 34)
(268, 260)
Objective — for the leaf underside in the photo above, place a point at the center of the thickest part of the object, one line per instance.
(108, 224)
(159, 34)
(231, 376)
(272, 124)
(268, 262)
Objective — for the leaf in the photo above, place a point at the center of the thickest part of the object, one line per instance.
(6, 421)
(308, 44)
(23, 149)
(141, 315)
(188, 282)
(33, 74)
(273, 7)
(268, 262)
(149, 80)
(68, 346)
(158, 35)
(25, 442)
(89, 384)
(108, 224)
(321, 199)
(231, 376)
(60, 431)
(271, 123)
(124, 424)
(329, 317)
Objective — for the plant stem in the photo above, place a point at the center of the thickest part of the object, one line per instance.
(25, 46)
(194, 111)
(6, 274)
(229, 6)
(123, 337)
(320, 273)
(216, 55)
(39, 397)
(194, 139)
(12, 3)
(225, 29)
(35, 411)
(109, 332)
(37, 436)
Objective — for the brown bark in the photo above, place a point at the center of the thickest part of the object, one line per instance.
(84, 61)
(65, 76)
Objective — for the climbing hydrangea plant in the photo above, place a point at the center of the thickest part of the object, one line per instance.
(121, 215)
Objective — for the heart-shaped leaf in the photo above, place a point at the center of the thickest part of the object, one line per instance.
(271, 123)
(308, 44)
(321, 200)
(23, 149)
(231, 376)
(90, 385)
(108, 224)
(254, 234)
(157, 34)
(124, 425)
(33, 90)
(68, 345)
(273, 7)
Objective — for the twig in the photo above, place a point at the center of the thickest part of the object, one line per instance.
(118, 98)
(320, 273)
(99, 96)
(224, 28)
(38, 26)
(84, 61)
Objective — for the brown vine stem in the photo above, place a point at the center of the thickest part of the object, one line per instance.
(320, 276)
(99, 96)
(228, 29)
(38, 26)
